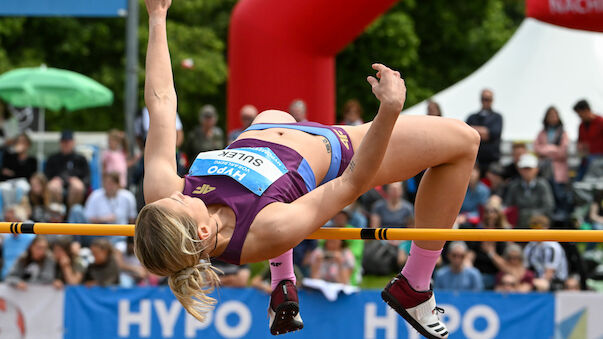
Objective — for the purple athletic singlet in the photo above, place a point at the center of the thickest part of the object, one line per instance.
(224, 190)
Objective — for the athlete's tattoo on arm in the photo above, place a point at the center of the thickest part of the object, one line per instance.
(352, 165)
(327, 144)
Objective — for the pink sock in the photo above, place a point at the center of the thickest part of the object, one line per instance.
(419, 267)
(281, 268)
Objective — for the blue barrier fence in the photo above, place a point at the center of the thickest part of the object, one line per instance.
(241, 313)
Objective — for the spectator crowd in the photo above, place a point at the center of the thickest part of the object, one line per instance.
(537, 188)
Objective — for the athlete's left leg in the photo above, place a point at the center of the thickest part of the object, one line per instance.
(283, 308)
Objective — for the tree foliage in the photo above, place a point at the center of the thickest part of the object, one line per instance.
(96, 47)
(434, 43)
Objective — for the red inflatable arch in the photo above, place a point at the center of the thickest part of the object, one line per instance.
(578, 14)
(281, 50)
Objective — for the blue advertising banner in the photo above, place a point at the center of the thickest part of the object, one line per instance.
(83, 8)
(241, 313)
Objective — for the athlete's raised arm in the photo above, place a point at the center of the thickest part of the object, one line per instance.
(306, 214)
(160, 179)
(391, 92)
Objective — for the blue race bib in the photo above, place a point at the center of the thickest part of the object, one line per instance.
(255, 168)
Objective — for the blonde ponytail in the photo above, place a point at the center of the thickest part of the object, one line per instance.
(191, 287)
(167, 244)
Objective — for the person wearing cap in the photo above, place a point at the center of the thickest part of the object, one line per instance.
(530, 194)
(206, 136)
(246, 116)
(66, 170)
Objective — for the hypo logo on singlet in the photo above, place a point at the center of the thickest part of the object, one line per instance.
(255, 168)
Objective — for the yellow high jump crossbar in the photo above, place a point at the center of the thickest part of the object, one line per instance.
(338, 233)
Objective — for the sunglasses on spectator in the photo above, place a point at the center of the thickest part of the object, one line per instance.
(457, 255)
(486, 99)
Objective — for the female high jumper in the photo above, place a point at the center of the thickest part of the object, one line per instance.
(280, 181)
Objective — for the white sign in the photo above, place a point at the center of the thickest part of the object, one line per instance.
(578, 315)
(32, 314)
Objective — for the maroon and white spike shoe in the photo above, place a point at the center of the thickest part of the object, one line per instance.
(284, 309)
(418, 308)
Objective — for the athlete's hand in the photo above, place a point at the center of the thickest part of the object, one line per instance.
(157, 7)
(388, 87)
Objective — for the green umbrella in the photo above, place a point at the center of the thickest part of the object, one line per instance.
(53, 89)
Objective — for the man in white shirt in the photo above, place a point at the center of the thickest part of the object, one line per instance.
(548, 259)
(111, 204)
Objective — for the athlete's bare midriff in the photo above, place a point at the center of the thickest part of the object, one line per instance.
(314, 148)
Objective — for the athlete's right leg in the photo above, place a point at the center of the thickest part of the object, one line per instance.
(448, 149)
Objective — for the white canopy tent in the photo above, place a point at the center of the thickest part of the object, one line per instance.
(540, 66)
